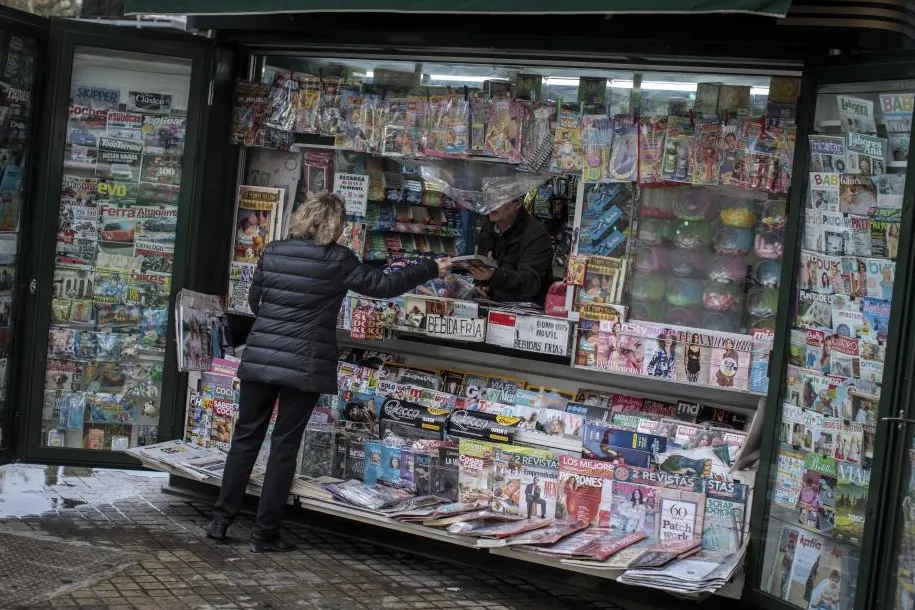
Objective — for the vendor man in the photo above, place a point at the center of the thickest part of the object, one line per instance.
(521, 247)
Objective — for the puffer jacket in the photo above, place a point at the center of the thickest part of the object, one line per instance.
(296, 293)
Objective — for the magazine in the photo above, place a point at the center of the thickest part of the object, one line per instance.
(662, 505)
(851, 502)
(819, 272)
(730, 361)
(866, 154)
(884, 231)
(827, 154)
(541, 537)
(881, 275)
(585, 490)
(483, 528)
(202, 330)
(591, 544)
(857, 194)
(258, 211)
(652, 134)
(857, 114)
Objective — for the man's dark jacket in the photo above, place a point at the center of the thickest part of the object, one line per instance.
(525, 260)
(296, 293)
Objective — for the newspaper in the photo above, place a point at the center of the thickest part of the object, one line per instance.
(701, 573)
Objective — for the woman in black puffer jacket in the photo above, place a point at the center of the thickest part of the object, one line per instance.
(291, 354)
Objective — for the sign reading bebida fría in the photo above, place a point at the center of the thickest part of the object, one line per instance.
(457, 329)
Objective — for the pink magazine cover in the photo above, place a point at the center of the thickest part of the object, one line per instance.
(631, 349)
(730, 364)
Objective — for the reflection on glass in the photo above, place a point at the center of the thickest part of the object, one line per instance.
(17, 76)
(818, 494)
(115, 246)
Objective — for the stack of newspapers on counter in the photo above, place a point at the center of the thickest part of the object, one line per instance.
(701, 573)
(200, 463)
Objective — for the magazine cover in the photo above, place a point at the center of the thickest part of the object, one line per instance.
(567, 144)
(876, 324)
(824, 192)
(652, 132)
(730, 361)
(538, 486)
(474, 470)
(890, 189)
(847, 319)
(119, 159)
(843, 356)
(661, 505)
(631, 349)
(604, 442)
(884, 231)
(677, 163)
(866, 154)
(881, 275)
(819, 272)
(816, 502)
(851, 502)
(735, 151)
(585, 490)
(814, 310)
(788, 477)
(857, 114)
(860, 235)
(222, 424)
(857, 194)
(258, 209)
(725, 513)
(660, 353)
(827, 153)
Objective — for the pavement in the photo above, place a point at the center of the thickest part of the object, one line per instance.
(111, 539)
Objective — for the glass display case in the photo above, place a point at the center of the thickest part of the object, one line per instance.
(19, 61)
(826, 460)
(115, 250)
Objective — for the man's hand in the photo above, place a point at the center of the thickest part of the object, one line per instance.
(481, 273)
(444, 266)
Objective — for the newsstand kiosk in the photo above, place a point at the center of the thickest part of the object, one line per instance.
(121, 153)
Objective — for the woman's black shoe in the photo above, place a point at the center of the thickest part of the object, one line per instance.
(217, 531)
(274, 544)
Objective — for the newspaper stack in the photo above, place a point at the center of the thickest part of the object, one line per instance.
(701, 573)
(200, 463)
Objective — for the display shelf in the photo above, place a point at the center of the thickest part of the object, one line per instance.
(416, 229)
(650, 387)
(345, 512)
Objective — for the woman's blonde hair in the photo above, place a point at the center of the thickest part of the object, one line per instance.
(321, 218)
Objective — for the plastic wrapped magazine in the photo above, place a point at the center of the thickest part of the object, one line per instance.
(372, 497)
(480, 515)
(442, 511)
(318, 451)
(546, 535)
(482, 528)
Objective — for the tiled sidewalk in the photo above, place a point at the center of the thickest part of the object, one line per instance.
(172, 565)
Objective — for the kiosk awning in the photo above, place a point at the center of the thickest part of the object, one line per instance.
(771, 8)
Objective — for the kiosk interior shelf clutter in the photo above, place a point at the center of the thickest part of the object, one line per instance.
(709, 399)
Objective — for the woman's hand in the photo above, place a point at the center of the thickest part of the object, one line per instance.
(444, 265)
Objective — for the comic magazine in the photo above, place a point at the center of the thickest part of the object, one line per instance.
(827, 153)
(881, 275)
(622, 165)
(585, 490)
(567, 144)
(866, 154)
(851, 502)
(258, 209)
(884, 232)
(706, 165)
(824, 192)
(856, 114)
(725, 513)
(652, 133)
(63, 375)
(730, 361)
(109, 409)
(677, 163)
(595, 138)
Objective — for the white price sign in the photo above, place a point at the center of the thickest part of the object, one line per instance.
(543, 335)
(354, 188)
(457, 329)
